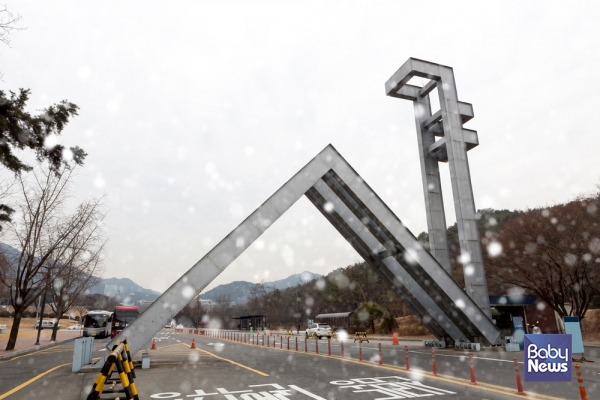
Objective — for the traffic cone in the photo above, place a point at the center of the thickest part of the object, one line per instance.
(153, 344)
(193, 344)
(395, 338)
(271, 333)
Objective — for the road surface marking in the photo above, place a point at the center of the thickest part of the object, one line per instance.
(463, 356)
(21, 386)
(504, 390)
(309, 394)
(230, 361)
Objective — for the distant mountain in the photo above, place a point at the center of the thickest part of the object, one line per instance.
(123, 289)
(239, 291)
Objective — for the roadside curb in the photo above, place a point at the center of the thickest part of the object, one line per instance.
(34, 349)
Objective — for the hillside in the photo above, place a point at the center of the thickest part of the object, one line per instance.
(239, 291)
(124, 290)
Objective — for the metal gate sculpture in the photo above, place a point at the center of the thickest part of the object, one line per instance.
(422, 280)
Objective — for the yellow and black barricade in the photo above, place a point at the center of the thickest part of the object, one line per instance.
(289, 333)
(361, 336)
(312, 335)
(119, 358)
(332, 335)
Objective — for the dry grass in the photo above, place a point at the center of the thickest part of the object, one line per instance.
(409, 327)
(590, 327)
(26, 328)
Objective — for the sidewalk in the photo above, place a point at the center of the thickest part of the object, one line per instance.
(27, 344)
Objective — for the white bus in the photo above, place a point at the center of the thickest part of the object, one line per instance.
(98, 323)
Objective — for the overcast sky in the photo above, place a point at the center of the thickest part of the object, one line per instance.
(194, 113)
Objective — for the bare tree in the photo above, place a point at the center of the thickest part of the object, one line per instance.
(81, 312)
(8, 24)
(79, 264)
(553, 253)
(222, 309)
(46, 234)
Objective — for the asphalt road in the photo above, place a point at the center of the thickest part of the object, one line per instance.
(224, 369)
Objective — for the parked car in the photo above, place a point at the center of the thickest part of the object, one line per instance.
(76, 327)
(45, 325)
(321, 330)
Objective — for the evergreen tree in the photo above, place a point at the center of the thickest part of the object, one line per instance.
(19, 130)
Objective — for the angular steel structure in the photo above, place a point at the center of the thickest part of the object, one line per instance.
(354, 209)
(452, 147)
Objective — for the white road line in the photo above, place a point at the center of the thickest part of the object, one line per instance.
(309, 394)
(446, 355)
(464, 356)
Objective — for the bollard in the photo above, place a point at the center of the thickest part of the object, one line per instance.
(296, 343)
(406, 357)
(342, 343)
(317, 345)
(582, 391)
(268, 342)
(281, 342)
(288, 340)
(472, 367)
(433, 364)
(329, 346)
(359, 351)
(518, 375)
(306, 346)
(380, 356)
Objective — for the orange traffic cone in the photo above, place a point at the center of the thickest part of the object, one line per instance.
(153, 344)
(271, 333)
(395, 339)
(193, 344)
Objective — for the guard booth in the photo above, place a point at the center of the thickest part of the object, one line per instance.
(337, 321)
(256, 322)
(525, 311)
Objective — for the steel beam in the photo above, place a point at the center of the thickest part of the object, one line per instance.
(453, 149)
(368, 225)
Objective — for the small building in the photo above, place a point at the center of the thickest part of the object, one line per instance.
(256, 322)
(337, 321)
(533, 310)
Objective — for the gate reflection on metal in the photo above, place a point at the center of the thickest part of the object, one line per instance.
(354, 209)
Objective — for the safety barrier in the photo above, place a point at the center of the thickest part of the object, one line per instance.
(582, 391)
(440, 344)
(467, 346)
(119, 358)
(360, 336)
(332, 335)
(82, 353)
(289, 333)
(312, 335)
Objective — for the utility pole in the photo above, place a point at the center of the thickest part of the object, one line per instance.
(298, 311)
(41, 318)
